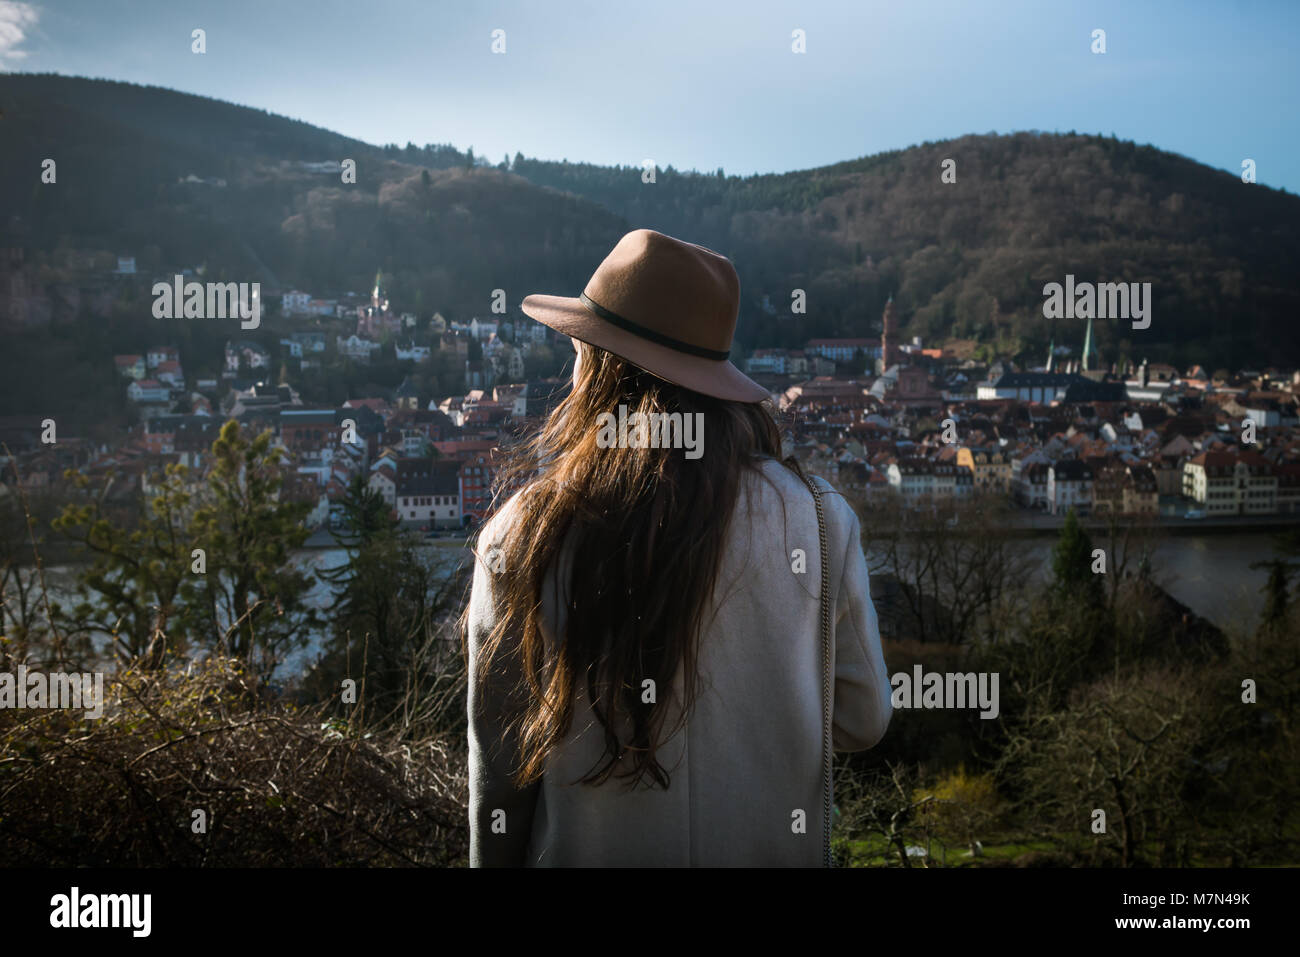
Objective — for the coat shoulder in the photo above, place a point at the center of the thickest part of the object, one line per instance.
(782, 495)
(495, 529)
(779, 483)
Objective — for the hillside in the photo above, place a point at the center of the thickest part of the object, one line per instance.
(1025, 210)
(444, 234)
(964, 260)
(447, 239)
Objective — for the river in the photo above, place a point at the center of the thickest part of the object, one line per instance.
(1211, 574)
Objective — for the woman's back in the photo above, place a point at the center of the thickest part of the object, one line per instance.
(746, 767)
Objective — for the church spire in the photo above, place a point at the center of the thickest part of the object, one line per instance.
(1089, 348)
(889, 351)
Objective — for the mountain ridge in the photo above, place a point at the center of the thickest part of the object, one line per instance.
(967, 259)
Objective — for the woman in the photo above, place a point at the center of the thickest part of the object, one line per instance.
(646, 678)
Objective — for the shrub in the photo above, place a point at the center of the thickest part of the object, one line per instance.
(278, 785)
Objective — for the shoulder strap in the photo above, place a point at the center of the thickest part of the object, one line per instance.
(825, 592)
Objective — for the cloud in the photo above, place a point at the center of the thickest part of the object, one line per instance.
(15, 19)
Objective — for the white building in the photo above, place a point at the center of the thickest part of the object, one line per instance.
(412, 352)
(252, 355)
(1069, 485)
(148, 390)
(1265, 415)
(779, 361)
(913, 479)
(1228, 483)
(1040, 387)
(295, 302)
(482, 328)
(945, 480)
(170, 373)
(160, 354)
(1029, 487)
(383, 480)
(356, 348)
(428, 492)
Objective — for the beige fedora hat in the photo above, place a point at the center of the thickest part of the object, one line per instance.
(665, 305)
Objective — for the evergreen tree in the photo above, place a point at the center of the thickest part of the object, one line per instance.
(388, 597)
(207, 562)
(1275, 593)
(366, 516)
(1073, 628)
(133, 585)
(252, 601)
(1277, 590)
(1072, 562)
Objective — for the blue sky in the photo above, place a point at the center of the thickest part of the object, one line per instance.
(707, 84)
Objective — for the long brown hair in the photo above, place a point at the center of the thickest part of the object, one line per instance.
(648, 528)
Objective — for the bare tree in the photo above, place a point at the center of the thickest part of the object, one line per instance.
(1123, 745)
(961, 568)
(881, 802)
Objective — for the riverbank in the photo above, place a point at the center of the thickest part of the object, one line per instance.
(1175, 525)
(326, 538)
(1028, 524)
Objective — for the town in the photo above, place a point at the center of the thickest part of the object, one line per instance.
(893, 423)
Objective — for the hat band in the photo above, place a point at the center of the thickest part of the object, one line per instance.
(650, 335)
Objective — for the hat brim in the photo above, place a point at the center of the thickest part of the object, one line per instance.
(714, 377)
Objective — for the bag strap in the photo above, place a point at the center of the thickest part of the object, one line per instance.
(828, 859)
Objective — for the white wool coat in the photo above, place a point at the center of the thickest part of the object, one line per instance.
(746, 768)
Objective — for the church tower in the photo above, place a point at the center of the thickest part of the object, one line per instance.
(889, 352)
(1090, 353)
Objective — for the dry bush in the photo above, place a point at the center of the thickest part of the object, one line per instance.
(1127, 745)
(280, 785)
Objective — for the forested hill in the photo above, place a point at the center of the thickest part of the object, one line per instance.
(965, 259)
(1025, 209)
(444, 235)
